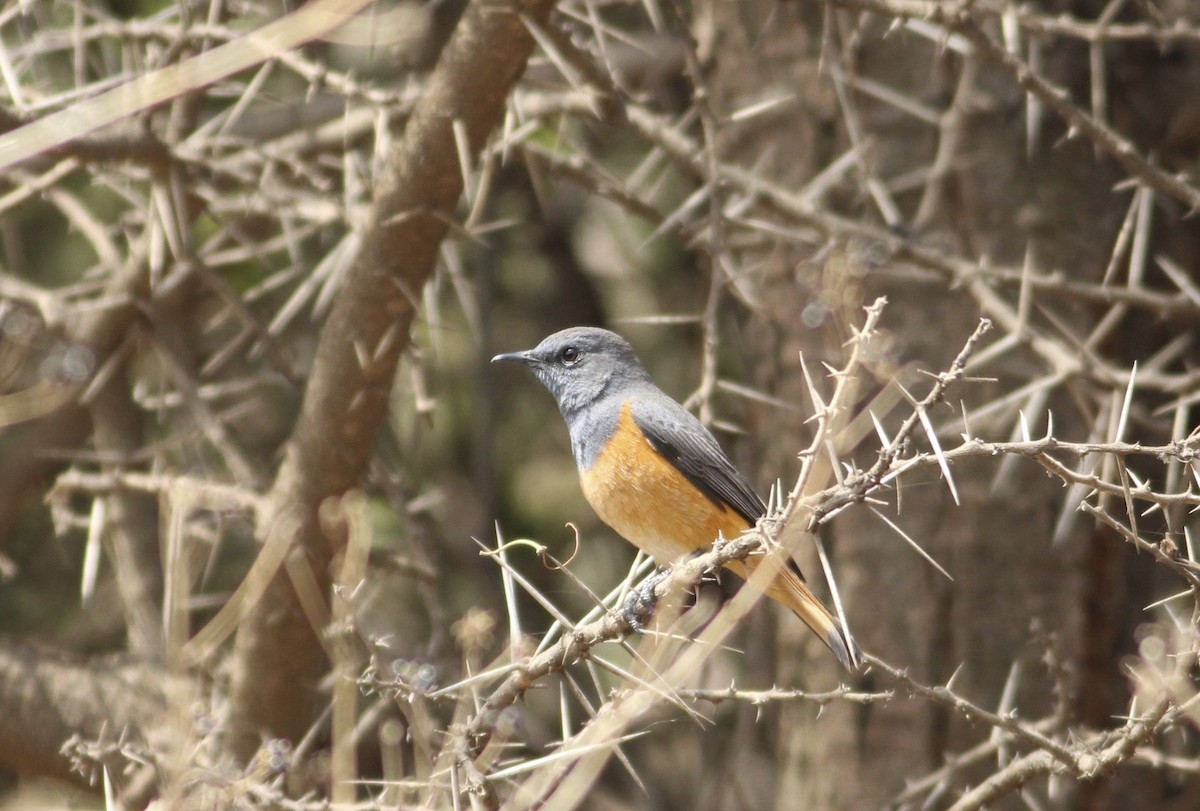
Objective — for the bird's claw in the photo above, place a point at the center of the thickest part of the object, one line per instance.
(640, 602)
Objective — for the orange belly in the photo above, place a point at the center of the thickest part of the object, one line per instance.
(649, 502)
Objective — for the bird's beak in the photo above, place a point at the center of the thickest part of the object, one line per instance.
(525, 357)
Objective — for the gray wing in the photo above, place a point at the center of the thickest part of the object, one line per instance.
(687, 444)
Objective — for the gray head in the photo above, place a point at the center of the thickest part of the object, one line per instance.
(581, 365)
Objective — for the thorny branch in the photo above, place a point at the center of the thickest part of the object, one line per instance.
(237, 205)
(858, 487)
(1049, 751)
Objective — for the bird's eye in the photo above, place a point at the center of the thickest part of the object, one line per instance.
(569, 356)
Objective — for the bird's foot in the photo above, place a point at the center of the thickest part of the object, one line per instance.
(640, 602)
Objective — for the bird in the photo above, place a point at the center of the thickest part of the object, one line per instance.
(652, 471)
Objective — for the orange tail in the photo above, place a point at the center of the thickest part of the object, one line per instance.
(788, 589)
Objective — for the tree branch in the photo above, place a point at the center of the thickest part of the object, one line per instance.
(278, 659)
(49, 697)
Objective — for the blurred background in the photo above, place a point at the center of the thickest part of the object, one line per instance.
(728, 185)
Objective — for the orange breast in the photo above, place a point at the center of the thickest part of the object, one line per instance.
(649, 502)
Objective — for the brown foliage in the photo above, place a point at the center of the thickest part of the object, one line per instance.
(934, 261)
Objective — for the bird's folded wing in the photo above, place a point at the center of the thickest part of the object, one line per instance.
(688, 445)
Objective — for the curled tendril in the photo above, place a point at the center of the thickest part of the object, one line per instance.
(547, 559)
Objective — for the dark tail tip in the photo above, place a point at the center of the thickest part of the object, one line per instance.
(845, 648)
